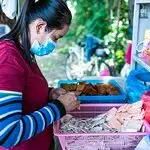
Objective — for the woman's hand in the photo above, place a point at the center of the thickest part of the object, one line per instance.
(69, 100)
(56, 92)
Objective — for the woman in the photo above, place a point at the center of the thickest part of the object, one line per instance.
(27, 110)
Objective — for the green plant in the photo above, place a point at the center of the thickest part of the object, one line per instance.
(90, 17)
(116, 39)
(105, 19)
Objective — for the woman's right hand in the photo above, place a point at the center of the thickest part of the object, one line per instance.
(69, 100)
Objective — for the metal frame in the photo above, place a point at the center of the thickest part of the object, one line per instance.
(139, 26)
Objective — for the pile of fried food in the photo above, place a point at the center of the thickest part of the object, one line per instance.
(88, 89)
(127, 118)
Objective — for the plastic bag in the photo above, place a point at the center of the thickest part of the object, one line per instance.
(134, 84)
(144, 143)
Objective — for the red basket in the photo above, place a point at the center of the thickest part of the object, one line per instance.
(98, 141)
(146, 102)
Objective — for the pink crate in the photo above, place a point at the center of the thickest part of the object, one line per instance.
(3, 148)
(98, 141)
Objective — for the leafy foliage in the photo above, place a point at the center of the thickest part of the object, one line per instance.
(106, 19)
(91, 17)
(116, 40)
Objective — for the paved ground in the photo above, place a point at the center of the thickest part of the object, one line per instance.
(53, 67)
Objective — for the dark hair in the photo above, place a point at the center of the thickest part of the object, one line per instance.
(54, 12)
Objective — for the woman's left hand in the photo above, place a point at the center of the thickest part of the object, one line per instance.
(56, 92)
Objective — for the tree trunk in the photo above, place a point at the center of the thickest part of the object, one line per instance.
(130, 16)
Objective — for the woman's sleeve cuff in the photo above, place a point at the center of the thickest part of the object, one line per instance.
(60, 107)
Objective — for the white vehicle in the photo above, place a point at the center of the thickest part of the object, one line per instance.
(10, 9)
(77, 67)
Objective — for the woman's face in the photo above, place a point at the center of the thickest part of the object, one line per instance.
(38, 31)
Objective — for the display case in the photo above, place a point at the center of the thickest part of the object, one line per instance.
(141, 32)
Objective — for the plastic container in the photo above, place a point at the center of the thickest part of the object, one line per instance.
(121, 98)
(98, 141)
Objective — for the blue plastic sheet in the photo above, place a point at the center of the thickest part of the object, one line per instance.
(135, 86)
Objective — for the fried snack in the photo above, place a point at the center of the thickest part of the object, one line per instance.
(80, 86)
(89, 89)
(72, 87)
(69, 87)
(65, 86)
(112, 90)
(108, 85)
(101, 88)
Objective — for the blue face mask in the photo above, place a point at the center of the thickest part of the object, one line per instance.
(43, 49)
